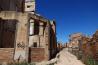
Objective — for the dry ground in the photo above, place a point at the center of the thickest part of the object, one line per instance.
(63, 58)
(67, 58)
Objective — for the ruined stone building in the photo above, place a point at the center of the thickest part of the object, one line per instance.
(25, 35)
(59, 46)
(94, 45)
(85, 43)
(90, 46)
(86, 48)
(75, 40)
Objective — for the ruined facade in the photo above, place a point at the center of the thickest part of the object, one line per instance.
(25, 36)
(86, 49)
(75, 40)
(95, 45)
(90, 46)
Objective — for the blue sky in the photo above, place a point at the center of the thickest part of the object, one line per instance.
(71, 16)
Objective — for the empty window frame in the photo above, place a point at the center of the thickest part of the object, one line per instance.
(7, 35)
(34, 27)
(35, 44)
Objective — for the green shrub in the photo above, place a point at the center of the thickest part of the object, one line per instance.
(51, 64)
(33, 64)
(91, 61)
(22, 63)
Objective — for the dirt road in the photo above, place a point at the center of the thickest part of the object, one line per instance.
(63, 58)
(66, 58)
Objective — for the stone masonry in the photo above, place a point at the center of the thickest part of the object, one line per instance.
(24, 31)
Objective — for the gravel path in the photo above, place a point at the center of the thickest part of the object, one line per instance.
(63, 58)
(66, 58)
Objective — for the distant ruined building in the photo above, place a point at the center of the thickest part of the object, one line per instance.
(25, 35)
(75, 40)
(75, 43)
(90, 46)
(84, 47)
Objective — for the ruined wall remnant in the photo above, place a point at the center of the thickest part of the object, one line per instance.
(6, 54)
(37, 54)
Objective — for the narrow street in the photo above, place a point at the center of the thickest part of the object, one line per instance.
(63, 58)
(66, 58)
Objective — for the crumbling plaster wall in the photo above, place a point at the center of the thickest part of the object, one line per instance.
(21, 43)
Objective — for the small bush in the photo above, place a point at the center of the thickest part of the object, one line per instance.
(33, 64)
(22, 63)
(51, 64)
(91, 61)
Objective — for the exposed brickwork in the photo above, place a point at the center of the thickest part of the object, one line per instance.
(6, 54)
(37, 54)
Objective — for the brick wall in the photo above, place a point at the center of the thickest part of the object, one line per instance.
(6, 54)
(36, 54)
